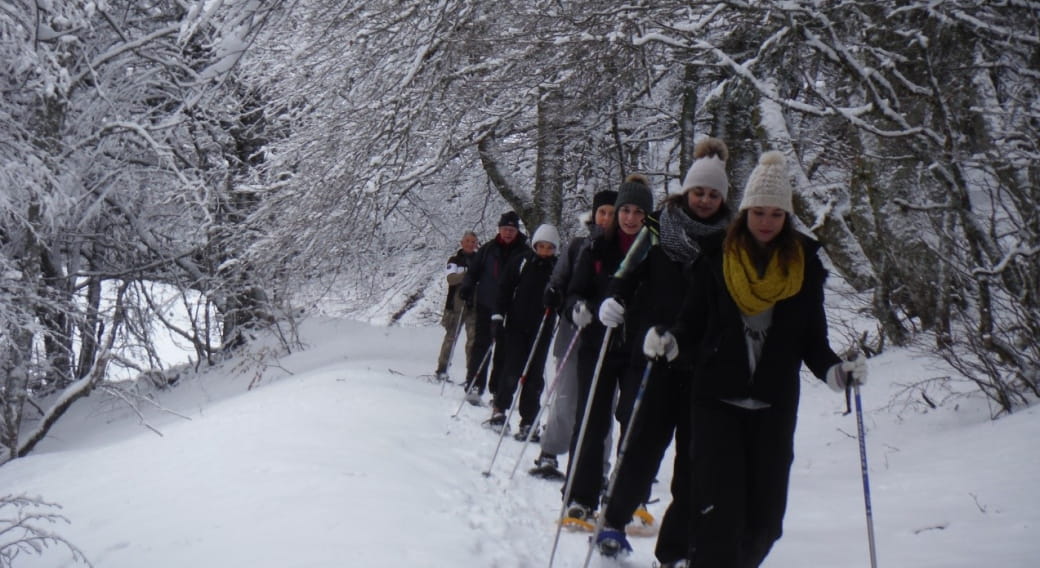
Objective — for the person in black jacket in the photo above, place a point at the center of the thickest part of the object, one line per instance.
(519, 310)
(480, 288)
(752, 315)
(644, 292)
(559, 425)
(587, 288)
(455, 313)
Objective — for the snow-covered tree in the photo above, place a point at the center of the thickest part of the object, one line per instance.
(914, 126)
(124, 160)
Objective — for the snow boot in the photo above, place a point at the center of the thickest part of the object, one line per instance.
(525, 429)
(612, 543)
(578, 517)
(442, 376)
(497, 421)
(473, 396)
(547, 467)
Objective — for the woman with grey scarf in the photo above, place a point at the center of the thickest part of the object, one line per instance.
(644, 292)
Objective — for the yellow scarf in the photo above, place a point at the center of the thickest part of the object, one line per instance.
(754, 295)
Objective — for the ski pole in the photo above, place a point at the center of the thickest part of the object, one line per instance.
(576, 454)
(601, 519)
(454, 341)
(863, 469)
(519, 391)
(483, 362)
(549, 401)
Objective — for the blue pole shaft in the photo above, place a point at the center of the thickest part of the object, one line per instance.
(866, 480)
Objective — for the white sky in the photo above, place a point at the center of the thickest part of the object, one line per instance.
(342, 456)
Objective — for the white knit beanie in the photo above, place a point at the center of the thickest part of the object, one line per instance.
(546, 233)
(709, 167)
(768, 184)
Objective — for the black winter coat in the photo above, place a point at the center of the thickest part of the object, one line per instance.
(590, 281)
(711, 328)
(486, 267)
(520, 292)
(655, 287)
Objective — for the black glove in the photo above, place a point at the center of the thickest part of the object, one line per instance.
(466, 294)
(552, 298)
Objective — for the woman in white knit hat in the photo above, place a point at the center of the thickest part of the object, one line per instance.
(645, 292)
(753, 314)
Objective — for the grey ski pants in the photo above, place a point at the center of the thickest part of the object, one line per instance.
(559, 425)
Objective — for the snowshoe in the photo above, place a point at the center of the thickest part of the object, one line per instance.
(612, 543)
(473, 397)
(578, 517)
(546, 467)
(497, 421)
(525, 429)
(442, 377)
(643, 523)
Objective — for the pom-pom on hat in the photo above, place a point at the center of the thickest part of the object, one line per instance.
(768, 184)
(635, 190)
(509, 219)
(709, 167)
(546, 233)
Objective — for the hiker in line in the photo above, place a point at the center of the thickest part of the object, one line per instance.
(559, 425)
(588, 286)
(753, 313)
(455, 314)
(519, 311)
(479, 290)
(646, 291)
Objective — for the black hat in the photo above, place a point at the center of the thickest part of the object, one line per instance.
(509, 219)
(605, 197)
(635, 191)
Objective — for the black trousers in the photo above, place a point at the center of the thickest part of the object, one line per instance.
(741, 468)
(517, 346)
(481, 344)
(588, 471)
(664, 405)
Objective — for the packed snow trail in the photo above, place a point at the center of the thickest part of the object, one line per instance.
(342, 456)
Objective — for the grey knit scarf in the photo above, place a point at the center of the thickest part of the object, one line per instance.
(680, 233)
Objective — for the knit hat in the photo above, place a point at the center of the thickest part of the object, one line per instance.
(509, 219)
(546, 233)
(709, 167)
(635, 190)
(768, 185)
(605, 197)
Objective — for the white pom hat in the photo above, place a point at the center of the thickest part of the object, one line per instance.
(768, 185)
(708, 168)
(546, 233)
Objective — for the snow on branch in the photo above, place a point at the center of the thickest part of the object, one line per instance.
(25, 530)
(918, 207)
(1004, 263)
(122, 48)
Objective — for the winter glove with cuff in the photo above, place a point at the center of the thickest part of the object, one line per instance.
(581, 316)
(660, 342)
(842, 374)
(552, 298)
(496, 324)
(611, 313)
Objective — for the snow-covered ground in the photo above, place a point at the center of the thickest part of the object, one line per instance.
(341, 455)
